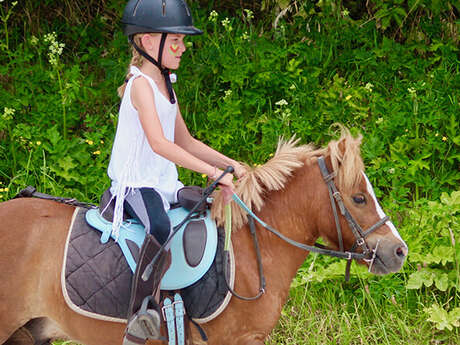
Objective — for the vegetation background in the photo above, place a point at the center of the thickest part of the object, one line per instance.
(264, 69)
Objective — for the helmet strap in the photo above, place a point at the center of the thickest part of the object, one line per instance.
(164, 71)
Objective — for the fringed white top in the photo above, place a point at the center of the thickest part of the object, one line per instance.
(133, 163)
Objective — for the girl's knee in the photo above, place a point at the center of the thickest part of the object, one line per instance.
(160, 229)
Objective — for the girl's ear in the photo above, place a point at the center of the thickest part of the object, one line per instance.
(148, 42)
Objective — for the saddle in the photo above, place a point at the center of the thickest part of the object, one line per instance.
(190, 256)
(193, 248)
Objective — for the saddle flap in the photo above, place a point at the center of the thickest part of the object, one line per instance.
(194, 242)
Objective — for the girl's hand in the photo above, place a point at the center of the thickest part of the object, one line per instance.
(240, 170)
(226, 185)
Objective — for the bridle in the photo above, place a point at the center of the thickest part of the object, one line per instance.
(336, 199)
(360, 235)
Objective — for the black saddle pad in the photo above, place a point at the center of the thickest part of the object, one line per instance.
(96, 279)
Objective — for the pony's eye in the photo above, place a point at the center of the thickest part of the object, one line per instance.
(359, 199)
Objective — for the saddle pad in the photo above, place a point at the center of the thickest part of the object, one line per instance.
(96, 279)
(180, 274)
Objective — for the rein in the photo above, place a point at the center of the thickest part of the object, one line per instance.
(367, 254)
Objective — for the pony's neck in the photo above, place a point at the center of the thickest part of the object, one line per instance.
(292, 211)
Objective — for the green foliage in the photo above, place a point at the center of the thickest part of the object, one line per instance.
(442, 318)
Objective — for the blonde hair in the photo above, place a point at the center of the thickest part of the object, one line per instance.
(136, 60)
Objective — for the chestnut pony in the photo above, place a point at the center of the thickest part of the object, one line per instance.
(288, 193)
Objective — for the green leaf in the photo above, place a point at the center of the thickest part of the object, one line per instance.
(441, 281)
(442, 318)
(420, 278)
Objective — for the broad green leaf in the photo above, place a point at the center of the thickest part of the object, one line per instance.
(441, 281)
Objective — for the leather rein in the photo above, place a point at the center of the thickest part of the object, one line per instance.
(336, 199)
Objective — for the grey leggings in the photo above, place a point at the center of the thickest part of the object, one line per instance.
(146, 206)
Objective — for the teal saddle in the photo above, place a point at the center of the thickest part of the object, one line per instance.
(193, 247)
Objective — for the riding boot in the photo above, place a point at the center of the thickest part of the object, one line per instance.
(144, 314)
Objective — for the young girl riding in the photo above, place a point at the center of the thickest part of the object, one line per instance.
(152, 137)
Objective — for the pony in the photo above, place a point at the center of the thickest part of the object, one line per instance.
(288, 192)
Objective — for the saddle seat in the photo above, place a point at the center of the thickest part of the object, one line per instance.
(193, 248)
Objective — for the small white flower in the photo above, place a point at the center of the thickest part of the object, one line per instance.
(8, 113)
(369, 87)
(249, 14)
(226, 24)
(345, 13)
(391, 170)
(245, 36)
(282, 102)
(228, 93)
(412, 90)
(213, 16)
(292, 87)
(55, 48)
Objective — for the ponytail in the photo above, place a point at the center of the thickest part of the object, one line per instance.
(136, 60)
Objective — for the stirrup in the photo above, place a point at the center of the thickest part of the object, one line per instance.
(145, 324)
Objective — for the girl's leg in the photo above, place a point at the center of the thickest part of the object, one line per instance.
(146, 205)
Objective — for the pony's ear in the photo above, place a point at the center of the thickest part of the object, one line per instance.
(342, 146)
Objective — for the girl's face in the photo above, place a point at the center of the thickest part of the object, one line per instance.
(172, 52)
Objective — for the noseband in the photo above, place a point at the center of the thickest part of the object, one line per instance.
(367, 254)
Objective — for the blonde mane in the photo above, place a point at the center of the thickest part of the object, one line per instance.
(289, 156)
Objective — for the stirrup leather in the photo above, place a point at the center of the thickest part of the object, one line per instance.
(168, 315)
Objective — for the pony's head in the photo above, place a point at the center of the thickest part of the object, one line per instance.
(388, 250)
(294, 171)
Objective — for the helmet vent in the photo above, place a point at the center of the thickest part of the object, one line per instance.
(136, 6)
(186, 7)
(164, 8)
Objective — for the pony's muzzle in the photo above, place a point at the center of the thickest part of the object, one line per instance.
(390, 255)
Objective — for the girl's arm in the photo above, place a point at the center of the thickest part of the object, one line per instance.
(143, 100)
(185, 140)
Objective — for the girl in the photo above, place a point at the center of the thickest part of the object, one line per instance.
(151, 135)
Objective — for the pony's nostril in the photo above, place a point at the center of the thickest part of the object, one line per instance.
(401, 251)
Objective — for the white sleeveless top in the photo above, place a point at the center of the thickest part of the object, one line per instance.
(133, 163)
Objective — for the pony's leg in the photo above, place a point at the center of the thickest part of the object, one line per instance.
(44, 330)
(21, 337)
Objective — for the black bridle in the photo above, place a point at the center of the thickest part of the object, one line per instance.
(336, 199)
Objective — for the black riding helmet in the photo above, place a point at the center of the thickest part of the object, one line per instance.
(162, 16)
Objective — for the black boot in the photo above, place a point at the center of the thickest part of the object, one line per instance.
(144, 313)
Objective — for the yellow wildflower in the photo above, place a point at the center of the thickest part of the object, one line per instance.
(97, 152)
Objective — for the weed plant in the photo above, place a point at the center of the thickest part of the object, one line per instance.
(390, 73)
